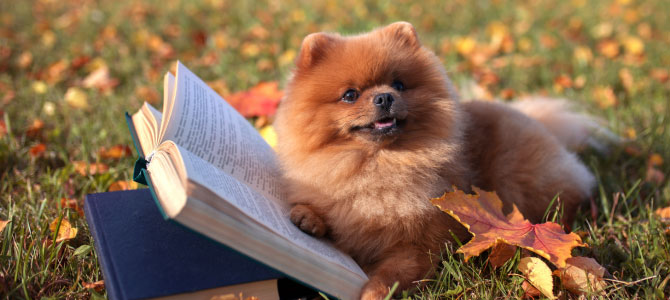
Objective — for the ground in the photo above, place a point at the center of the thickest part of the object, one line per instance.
(59, 124)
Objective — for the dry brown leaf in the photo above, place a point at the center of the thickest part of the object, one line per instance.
(482, 215)
(583, 275)
(538, 274)
(114, 152)
(122, 185)
(100, 80)
(3, 224)
(148, 94)
(76, 98)
(529, 291)
(501, 253)
(35, 129)
(98, 286)
(84, 168)
(37, 150)
(663, 214)
(72, 204)
(65, 231)
(654, 175)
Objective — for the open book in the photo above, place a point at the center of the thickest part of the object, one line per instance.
(212, 172)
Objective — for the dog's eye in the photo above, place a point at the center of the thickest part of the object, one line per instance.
(350, 96)
(398, 85)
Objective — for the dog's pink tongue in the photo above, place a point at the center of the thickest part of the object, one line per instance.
(385, 124)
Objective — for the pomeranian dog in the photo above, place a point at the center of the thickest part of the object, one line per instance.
(370, 129)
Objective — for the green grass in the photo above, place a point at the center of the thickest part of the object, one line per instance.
(251, 43)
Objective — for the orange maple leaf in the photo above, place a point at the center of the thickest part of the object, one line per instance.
(482, 215)
(261, 100)
(114, 152)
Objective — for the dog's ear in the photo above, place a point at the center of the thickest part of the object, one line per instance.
(404, 32)
(314, 48)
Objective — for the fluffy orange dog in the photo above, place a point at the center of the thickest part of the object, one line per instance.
(370, 129)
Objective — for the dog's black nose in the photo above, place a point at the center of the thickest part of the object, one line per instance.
(383, 101)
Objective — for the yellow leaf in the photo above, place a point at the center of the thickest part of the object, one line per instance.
(3, 224)
(39, 87)
(76, 98)
(633, 45)
(583, 275)
(655, 159)
(583, 55)
(268, 133)
(538, 274)
(65, 231)
(465, 45)
(122, 185)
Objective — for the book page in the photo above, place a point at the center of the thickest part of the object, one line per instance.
(206, 125)
(272, 214)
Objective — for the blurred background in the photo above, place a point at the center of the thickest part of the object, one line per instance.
(69, 69)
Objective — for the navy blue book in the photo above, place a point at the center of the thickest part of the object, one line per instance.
(144, 256)
(209, 170)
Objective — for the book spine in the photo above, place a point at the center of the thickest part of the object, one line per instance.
(141, 162)
(100, 244)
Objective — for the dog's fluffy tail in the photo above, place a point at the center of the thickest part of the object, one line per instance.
(573, 129)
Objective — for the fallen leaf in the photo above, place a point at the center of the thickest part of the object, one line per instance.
(655, 159)
(114, 152)
(261, 100)
(529, 291)
(65, 231)
(605, 97)
(122, 185)
(98, 286)
(76, 98)
(72, 204)
(39, 87)
(148, 94)
(3, 128)
(633, 45)
(608, 48)
(268, 133)
(100, 80)
(661, 75)
(654, 175)
(84, 168)
(583, 275)
(37, 150)
(538, 274)
(35, 129)
(663, 214)
(482, 215)
(3, 224)
(500, 254)
(79, 62)
(583, 55)
(25, 59)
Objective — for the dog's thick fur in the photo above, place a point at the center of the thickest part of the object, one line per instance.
(370, 193)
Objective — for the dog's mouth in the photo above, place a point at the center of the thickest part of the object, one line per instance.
(381, 127)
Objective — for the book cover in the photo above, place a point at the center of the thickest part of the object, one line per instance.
(144, 256)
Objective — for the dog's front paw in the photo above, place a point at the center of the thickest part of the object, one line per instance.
(374, 290)
(307, 220)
